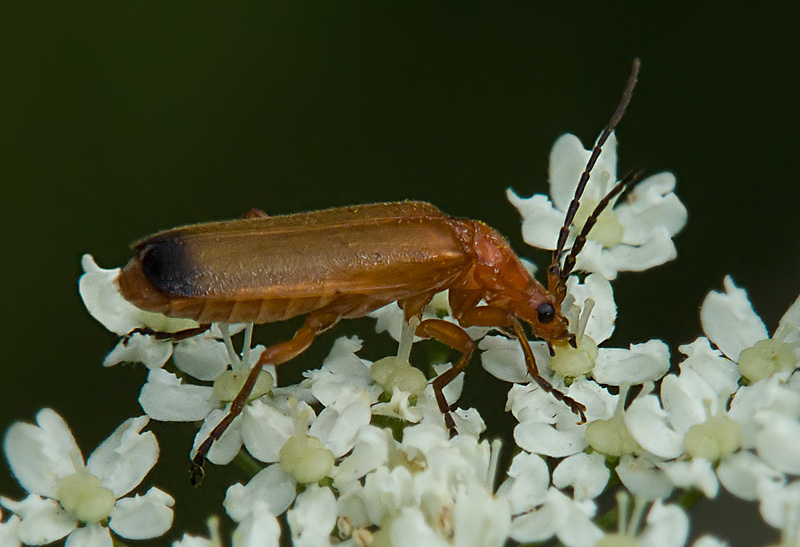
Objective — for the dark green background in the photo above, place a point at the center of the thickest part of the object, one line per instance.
(117, 120)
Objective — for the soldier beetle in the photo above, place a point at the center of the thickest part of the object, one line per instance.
(346, 262)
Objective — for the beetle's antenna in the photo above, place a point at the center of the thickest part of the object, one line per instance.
(555, 266)
(629, 180)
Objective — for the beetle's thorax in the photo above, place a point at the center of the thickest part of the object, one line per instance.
(503, 282)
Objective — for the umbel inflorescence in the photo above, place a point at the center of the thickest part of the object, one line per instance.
(334, 473)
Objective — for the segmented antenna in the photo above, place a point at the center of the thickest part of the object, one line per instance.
(555, 276)
(569, 263)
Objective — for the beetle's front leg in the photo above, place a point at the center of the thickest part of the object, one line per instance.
(576, 407)
(487, 316)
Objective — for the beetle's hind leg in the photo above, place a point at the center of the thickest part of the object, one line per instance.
(315, 323)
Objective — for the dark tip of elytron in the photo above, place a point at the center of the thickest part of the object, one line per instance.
(168, 266)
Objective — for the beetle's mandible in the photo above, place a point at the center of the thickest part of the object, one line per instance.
(346, 262)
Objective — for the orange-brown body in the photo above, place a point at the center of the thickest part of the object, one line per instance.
(347, 261)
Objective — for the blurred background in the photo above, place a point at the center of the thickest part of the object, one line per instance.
(122, 119)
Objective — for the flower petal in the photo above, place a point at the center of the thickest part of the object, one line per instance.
(164, 397)
(502, 358)
(743, 472)
(40, 455)
(313, 516)
(651, 204)
(265, 430)
(140, 348)
(790, 321)
(101, 296)
(696, 473)
(779, 504)
(272, 486)
(642, 363)
(541, 438)
(526, 487)
(410, 529)
(224, 449)
(42, 520)
(729, 320)
(338, 424)
(604, 314)
(200, 357)
(93, 535)
(143, 517)
(642, 478)
(480, 519)
(124, 458)
(657, 250)
(100, 293)
(8, 531)
(259, 529)
(370, 451)
(587, 474)
(542, 524)
(648, 423)
(709, 364)
(667, 526)
(541, 222)
(568, 159)
(778, 443)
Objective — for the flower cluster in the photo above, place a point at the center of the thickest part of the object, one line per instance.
(358, 453)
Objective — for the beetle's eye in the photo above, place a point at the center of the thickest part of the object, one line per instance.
(546, 312)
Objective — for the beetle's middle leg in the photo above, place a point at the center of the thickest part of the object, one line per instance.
(454, 336)
(315, 323)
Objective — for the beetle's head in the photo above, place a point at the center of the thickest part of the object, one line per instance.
(543, 313)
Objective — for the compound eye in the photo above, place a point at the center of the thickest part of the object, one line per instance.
(546, 312)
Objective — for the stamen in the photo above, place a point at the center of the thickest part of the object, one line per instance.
(226, 338)
(623, 502)
(494, 461)
(636, 516)
(246, 343)
(588, 306)
(407, 339)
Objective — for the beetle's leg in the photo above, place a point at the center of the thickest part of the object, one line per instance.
(487, 316)
(454, 336)
(175, 336)
(533, 370)
(277, 354)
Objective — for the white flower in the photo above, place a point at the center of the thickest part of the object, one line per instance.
(68, 498)
(100, 293)
(729, 321)
(432, 489)
(631, 236)
(667, 526)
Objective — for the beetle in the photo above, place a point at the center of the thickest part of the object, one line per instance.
(345, 262)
